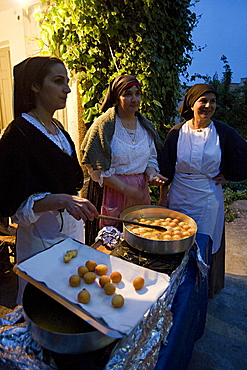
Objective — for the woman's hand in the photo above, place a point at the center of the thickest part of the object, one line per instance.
(154, 177)
(81, 208)
(157, 179)
(219, 179)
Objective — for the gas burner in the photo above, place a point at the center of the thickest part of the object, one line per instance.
(161, 263)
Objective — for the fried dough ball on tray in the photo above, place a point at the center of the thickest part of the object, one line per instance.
(74, 280)
(101, 269)
(82, 270)
(84, 296)
(109, 288)
(115, 277)
(117, 301)
(91, 265)
(138, 283)
(103, 280)
(89, 277)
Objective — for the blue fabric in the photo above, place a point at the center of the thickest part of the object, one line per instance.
(189, 310)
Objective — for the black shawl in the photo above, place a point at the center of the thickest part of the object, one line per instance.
(233, 152)
(31, 163)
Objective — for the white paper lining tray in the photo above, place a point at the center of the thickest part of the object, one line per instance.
(48, 272)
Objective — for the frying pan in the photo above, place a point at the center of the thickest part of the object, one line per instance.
(157, 246)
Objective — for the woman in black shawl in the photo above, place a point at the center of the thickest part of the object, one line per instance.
(39, 170)
(199, 155)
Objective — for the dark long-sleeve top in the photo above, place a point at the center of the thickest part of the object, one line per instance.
(31, 163)
(233, 152)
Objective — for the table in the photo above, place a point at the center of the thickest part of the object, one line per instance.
(189, 310)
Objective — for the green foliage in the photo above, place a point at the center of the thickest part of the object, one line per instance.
(100, 39)
(233, 191)
(154, 192)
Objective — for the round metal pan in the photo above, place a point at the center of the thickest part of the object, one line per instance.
(157, 246)
(58, 329)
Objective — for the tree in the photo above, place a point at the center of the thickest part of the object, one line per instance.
(100, 39)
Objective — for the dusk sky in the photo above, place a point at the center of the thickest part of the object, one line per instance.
(222, 29)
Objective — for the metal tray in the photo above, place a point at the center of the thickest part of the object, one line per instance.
(96, 323)
(53, 280)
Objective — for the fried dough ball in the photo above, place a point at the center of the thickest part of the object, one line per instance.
(89, 277)
(103, 280)
(191, 231)
(84, 296)
(101, 270)
(91, 265)
(74, 280)
(167, 237)
(67, 258)
(69, 255)
(82, 270)
(176, 237)
(109, 288)
(186, 227)
(135, 230)
(138, 283)
(173, 224)
(117, 301)
(185, 234)
(115, 277)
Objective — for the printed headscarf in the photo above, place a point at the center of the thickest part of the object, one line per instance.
(192, 95)
(115, 89)
(25, 74)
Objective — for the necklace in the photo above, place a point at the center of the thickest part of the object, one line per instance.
(43, 124)
(132, 123)
(131, 132)
(55, 136)
(132, 135)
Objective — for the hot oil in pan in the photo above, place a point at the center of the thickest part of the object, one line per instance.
(174, 229)
(51, 315)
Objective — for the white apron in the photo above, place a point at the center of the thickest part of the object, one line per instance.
(43, 234)
(193, 192)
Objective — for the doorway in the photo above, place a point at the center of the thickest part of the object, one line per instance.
(6, 112)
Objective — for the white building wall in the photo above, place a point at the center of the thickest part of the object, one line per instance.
(19, 31)
(12, 33)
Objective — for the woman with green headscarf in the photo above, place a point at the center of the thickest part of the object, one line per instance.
(121, 151)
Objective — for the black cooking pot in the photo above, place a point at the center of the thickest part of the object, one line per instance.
(58, 329)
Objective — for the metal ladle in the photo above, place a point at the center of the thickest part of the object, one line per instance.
(123, 220)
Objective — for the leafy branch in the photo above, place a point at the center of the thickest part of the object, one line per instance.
(100, 39)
